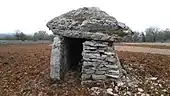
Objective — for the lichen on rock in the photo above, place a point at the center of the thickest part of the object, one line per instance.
(86, 19)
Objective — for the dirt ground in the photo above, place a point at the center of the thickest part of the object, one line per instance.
(146, 45)
(24, 71)
(143, 50)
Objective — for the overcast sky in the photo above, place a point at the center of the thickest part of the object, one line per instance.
(30, 16)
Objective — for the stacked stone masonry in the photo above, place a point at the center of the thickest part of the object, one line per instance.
(83, 39)
(99, 62)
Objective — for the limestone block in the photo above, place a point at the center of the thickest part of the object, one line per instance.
(88, 71)
(89, 48)
(112, 76)
(114, 71)
(98, 72)
(85, 76)
(103, 69)
(55, 59)
(111, 59)
(98, 77)
(112, 66)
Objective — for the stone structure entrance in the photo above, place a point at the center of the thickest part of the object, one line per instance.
(82, 43)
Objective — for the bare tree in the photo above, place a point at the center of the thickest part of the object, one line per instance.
(166, 33)
(143, 37)
(151, 34)
(41, 35)
(136, 37)
(20, 35)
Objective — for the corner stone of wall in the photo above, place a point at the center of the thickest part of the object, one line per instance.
(55, 58)
(99, 62)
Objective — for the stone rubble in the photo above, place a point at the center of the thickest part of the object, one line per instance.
(110, 91)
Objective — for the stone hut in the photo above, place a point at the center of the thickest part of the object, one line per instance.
(82, 41)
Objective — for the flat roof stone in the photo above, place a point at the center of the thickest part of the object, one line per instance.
(85, 21)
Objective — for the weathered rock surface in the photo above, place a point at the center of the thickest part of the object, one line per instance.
(55, 59)
(93, 25)
(90, 19)
(99, 64)
(84, 23)
(87, 35)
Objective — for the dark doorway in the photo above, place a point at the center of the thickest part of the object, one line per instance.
(73, 53)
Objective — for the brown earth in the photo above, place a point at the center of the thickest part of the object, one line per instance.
(24, 71)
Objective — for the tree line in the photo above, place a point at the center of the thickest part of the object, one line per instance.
(151, 34)
(40, 35)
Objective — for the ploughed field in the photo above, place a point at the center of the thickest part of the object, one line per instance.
(25, 69)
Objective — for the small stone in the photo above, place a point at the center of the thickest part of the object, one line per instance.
(147, 95)
(128, 93)
(152, 87)
(143, 94)
(95, 91)
(112, 66)
(87, 63)
(164, 90)
(113, 84)
(114, 71)
(96, 60)
(88, 71)
(139, 93)
(89, 43)
(86, 59)
(140, 90)
(110, 91)
(104, 56)
(100, 72)
(111, 49)
(98, 77)
(85, 82)
(153, 78)
(97, 56)
(110, 59)
(116, 89)
(91, 52)
(109, 53)
(85, 76)
(160, 85)
(89, 48)
(115, 95)
(101, 45)
(40, 94)
(112, 76)
(120, 83)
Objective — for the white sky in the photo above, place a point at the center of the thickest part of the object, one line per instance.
(30, 16)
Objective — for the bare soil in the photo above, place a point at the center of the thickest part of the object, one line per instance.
(24, 71)
(147, 45)
(143, 50)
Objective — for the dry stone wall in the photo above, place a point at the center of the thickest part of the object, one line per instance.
(99, 58)
(99, 62)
